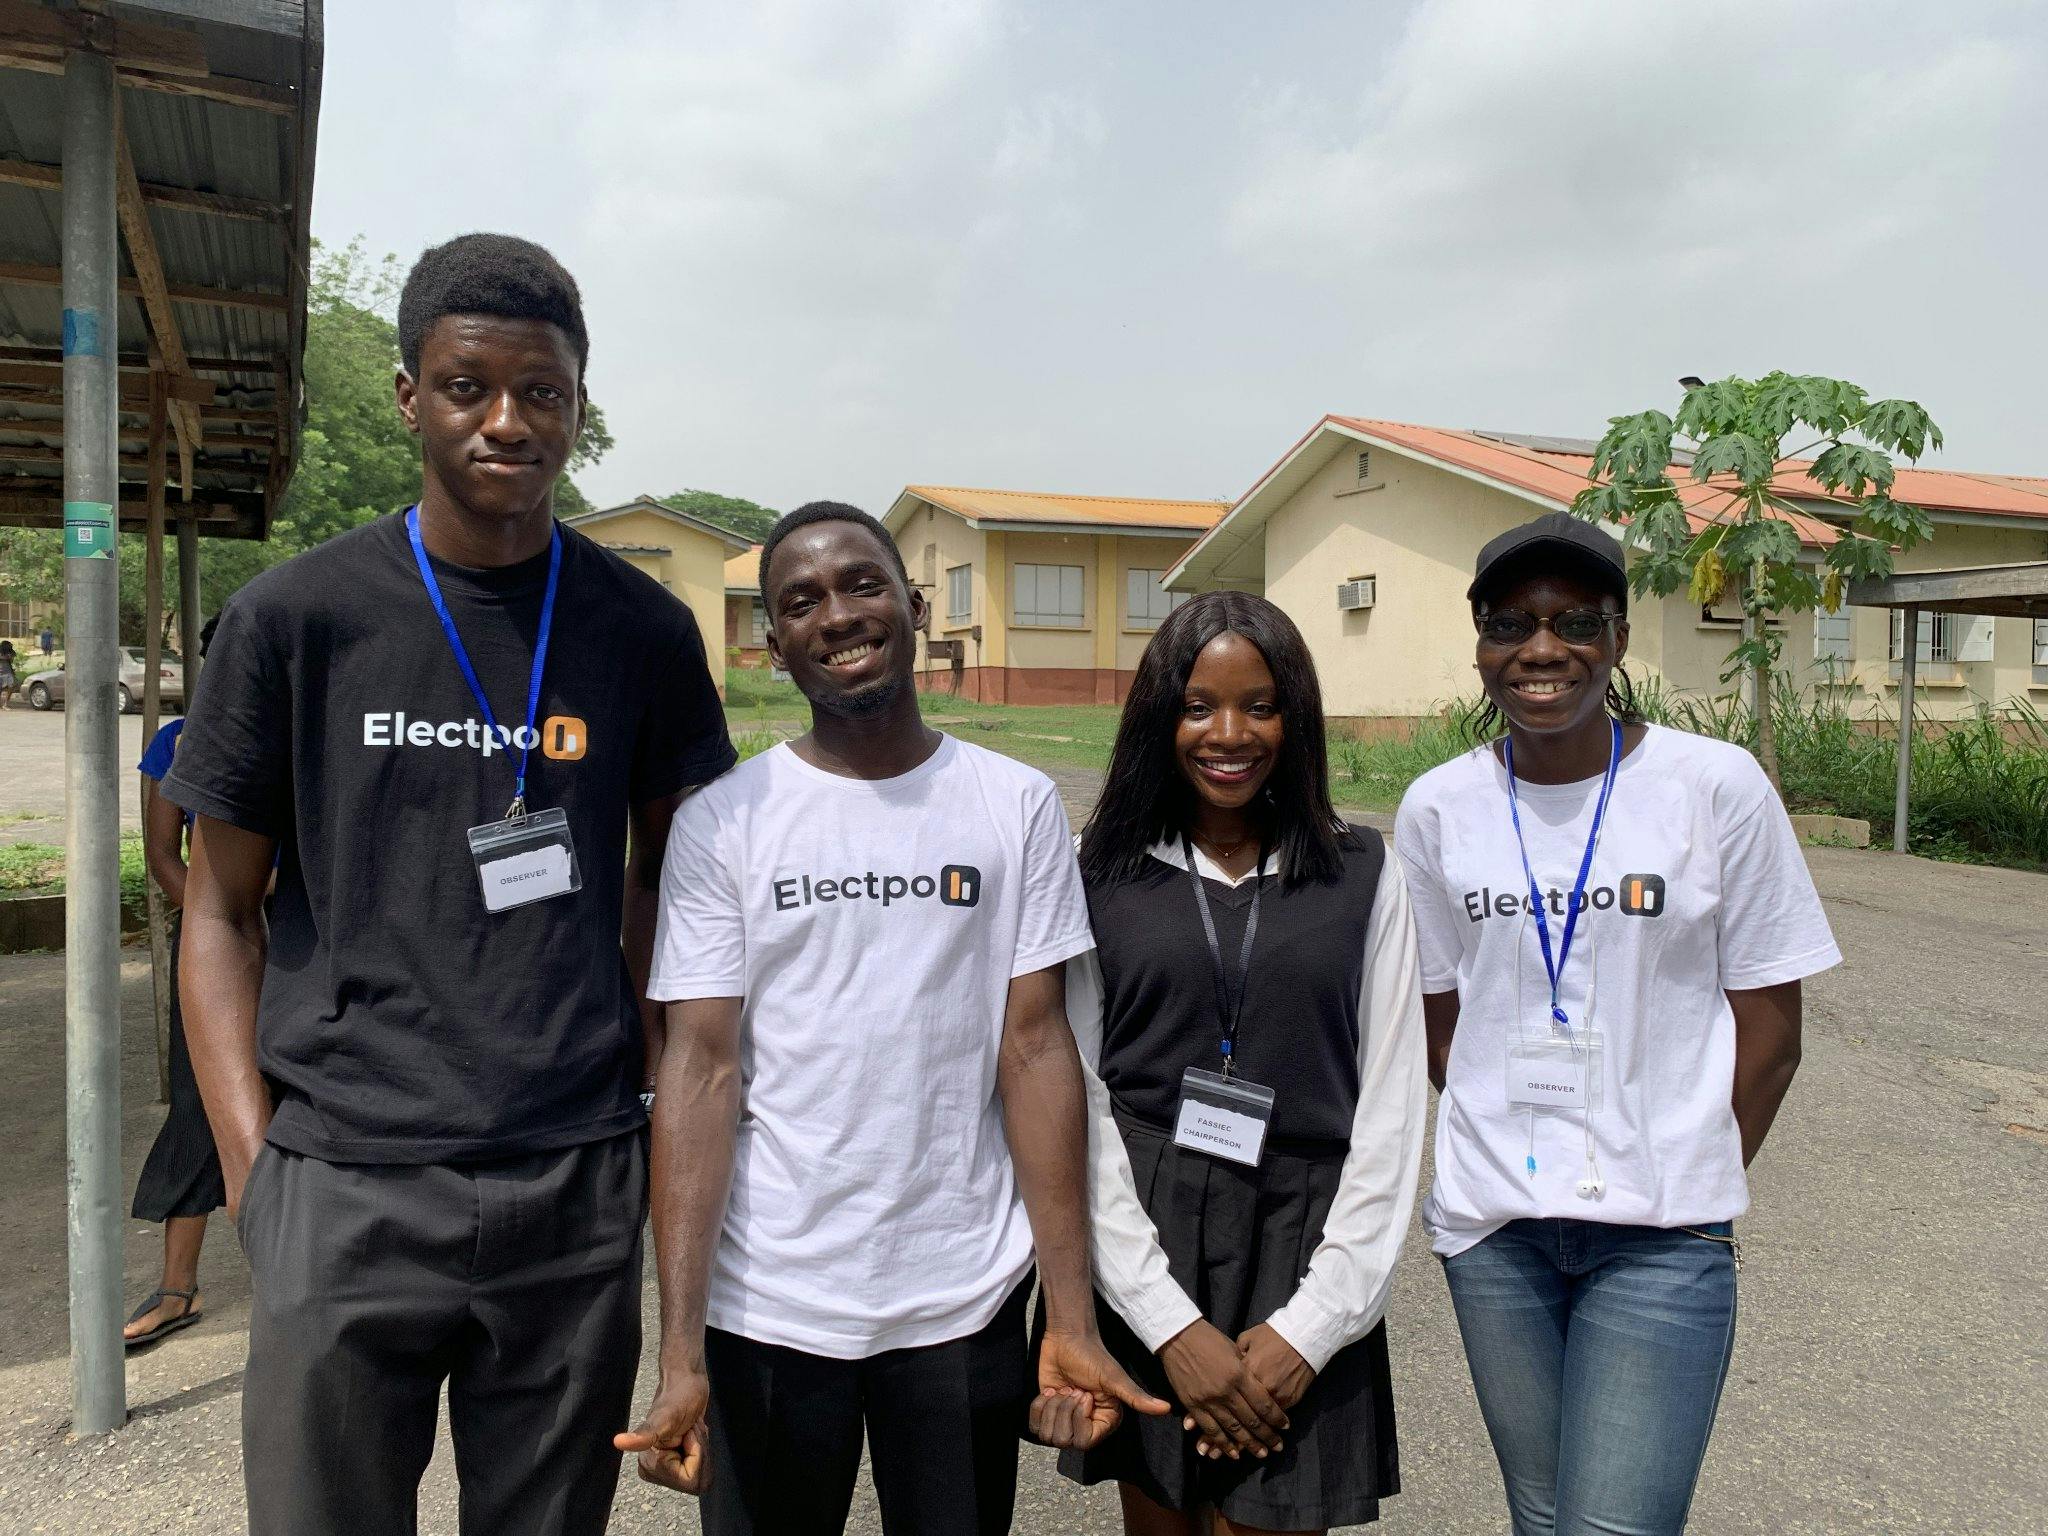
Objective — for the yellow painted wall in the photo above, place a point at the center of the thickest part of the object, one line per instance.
(1417, 534)
(1420, 533)
(694, 570)
(934, 541)
(1951, 690)
(1044, 647)
(1139, 555)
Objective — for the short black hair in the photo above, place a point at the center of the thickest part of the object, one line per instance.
(499, 275)
(827, 512)
(1146, 799)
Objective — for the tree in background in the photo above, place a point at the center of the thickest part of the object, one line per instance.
(1738, 430)
(592, 444)
(356, 460)
(748, 519)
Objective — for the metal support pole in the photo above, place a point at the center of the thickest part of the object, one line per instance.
(188, 602)
(92, 815)
(1909, 652)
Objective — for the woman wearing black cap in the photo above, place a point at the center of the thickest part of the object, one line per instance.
(1614, 919)
(1253, 1007)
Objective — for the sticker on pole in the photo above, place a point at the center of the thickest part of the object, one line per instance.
(82, 333)
(88, 530)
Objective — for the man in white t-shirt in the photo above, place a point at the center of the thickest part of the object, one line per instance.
(870, 1110)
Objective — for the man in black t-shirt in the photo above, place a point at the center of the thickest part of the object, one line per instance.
(424, 1071)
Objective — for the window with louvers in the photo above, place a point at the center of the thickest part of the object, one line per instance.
(1047, 596)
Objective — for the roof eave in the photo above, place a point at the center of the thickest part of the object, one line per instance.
(737, 542)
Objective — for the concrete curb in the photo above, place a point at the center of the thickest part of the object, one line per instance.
(37, 922)
(1833, 831)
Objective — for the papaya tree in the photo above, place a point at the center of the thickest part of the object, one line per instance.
(1737, 429)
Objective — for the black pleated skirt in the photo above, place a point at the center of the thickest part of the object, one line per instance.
(181, 1176)
(1238, 1241)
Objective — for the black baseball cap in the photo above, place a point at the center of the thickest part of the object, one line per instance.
(1554, 540)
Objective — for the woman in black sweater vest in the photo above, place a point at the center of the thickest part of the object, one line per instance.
(1252, 1021)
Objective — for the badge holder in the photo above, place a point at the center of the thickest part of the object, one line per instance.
(1556, 1072)
(1225, 1117)
(524, 859)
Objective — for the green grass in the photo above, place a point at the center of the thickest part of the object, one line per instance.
(37, 869)
(757, 708)
(31, 868)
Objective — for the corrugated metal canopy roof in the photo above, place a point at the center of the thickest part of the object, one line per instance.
(219, 103)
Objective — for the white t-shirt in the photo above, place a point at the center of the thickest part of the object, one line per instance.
(873, 928)
(1697, 887)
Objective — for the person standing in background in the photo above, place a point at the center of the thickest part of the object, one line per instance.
(180, 1184)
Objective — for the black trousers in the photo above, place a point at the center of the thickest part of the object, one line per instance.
(516, 1282)
(942, 1425)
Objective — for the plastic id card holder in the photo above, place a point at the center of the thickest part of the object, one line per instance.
(525, 859)
(1556, 1072)
(1225, 1117)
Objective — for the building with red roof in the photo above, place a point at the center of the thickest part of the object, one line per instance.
(1365, 531)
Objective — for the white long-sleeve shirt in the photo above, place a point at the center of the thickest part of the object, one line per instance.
(1344, 1294)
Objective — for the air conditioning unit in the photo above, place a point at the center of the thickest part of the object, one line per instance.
(1354, 595)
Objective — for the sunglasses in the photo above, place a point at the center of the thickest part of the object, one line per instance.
(1575, 626)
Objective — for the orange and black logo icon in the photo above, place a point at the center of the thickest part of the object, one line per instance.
(960, 885)
(564, 738)
(1642, 895)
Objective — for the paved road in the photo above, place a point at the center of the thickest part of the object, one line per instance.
(32, 775)
(1891, 1371)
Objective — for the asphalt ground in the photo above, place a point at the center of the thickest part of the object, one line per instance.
(1891, 1366)
(32, 774)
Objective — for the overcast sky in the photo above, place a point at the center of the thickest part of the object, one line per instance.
(830, 247)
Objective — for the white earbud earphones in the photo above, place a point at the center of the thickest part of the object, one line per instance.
(1592, 1189)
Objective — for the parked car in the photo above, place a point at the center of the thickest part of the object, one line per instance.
(45, 690)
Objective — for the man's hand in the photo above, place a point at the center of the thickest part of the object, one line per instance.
(671, 1441)
(235, 1162)
(1220, 1394)
(1082, 1392)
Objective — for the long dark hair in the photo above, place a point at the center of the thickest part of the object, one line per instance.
(1148, 799)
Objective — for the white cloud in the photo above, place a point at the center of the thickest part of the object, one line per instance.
(831, 246)
(1052, 136)
(1601, 134)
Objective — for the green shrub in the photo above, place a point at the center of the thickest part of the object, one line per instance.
(38, 869)
(1376, 772)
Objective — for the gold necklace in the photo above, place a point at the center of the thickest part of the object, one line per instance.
(1221, 853)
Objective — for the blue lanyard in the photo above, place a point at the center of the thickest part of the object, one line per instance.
(1555, 967)
(540, 646)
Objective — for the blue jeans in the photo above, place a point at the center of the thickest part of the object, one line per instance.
(1598, 1353)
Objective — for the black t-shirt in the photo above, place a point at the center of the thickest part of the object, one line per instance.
(400, 1021)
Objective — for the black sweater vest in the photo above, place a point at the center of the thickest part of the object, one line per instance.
(1298, 1032)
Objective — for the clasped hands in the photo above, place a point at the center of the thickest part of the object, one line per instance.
(1082, 1395)
(1235, 1396)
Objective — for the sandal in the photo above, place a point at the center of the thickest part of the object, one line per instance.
(184, 1319)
